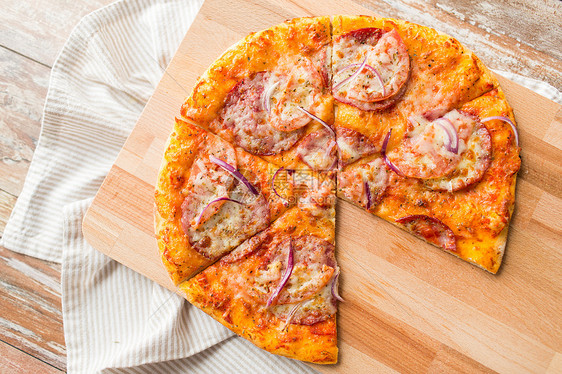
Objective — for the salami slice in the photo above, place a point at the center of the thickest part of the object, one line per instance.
(318, 308)
(352, 145)
(473, 165)
(246, 118)
(365, 183)
(218, 212)
(318, 150)
(302, 87)
(313, 267)
(435, 149)
(431, 229)
(207, 182)
(371, 67)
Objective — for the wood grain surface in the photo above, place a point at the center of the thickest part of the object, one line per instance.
(520, 36)
(410, 307)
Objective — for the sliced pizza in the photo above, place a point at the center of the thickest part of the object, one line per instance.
(385, 71)
(450, 180)
(270, 95)
(410, 124)
(279, 288)
(210, 197)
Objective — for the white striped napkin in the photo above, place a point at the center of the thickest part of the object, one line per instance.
(115, 320)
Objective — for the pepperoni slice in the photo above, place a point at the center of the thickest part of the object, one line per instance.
(364, 184)
(423, 153)
(245, 118)
(431, 229)
(214, 226)
(314, 265)
(318, 308)
(207, 182)
(318, 150)
(383, 59)
(473, 165)
(301, 88)
(352, 145)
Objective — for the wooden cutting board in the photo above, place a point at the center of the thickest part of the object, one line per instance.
(409, 306)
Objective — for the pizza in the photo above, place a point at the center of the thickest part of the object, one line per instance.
(393, 117)
(279, 288)
(210, 197)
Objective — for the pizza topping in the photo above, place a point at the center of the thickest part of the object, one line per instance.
(218, 213)
(290, 316)
(375, 106)
(228, 226)
(285, 201)
(321, 306)
(267, 96)
(288, 272)
(382, 73)
(312, 268)
(352, 145)
(474, 163)
(427, 150)
(319, 150)
(431, 229)
(364, 183)
(334, 287)
(312, 116)
(507, 120)
(185, 224)
(207, 181)
(389, 163)
(452, 143)
(316, 191)
(246, 120)
(235, 173)
(301, 89)
(350, 79)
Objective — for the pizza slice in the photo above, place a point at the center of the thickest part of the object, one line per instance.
(385, 71)
(449, 180)
(270, 95)
(210, 197)
(279, 289)
(413, 147)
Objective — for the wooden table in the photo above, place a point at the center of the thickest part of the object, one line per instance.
(519, 36)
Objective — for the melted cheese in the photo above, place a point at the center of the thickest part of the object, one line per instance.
(232, 224)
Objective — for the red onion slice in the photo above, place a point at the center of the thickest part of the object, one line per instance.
(335, 293)
(328, 153)
(313, 117)
(285, 202)
(453, 143)
(291, 315)
(286, 276)
(388, 163)
(198, 220)
(267, 96)
(368, 192)
(371, 68)
(235, 173)
(352, 76)
(505, 119)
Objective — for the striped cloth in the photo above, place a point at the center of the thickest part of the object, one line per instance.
(115, 320)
